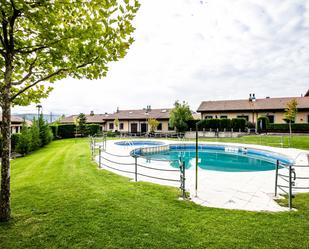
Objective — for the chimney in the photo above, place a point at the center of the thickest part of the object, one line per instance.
(91, 113)
(250, 97)
(117, 110)
(148, 109)
(253, 97)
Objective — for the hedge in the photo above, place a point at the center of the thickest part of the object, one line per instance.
(69, 130)
(284, 128)
(221, 124)
(14, 141)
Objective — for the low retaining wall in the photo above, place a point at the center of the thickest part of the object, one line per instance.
(157, 149)
(213, 134)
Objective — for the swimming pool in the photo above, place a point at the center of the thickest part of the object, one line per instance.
(219, 157)
(140, 143)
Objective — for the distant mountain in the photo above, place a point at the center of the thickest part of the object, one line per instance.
(29, 116)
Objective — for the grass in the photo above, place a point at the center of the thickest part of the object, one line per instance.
(61, 200)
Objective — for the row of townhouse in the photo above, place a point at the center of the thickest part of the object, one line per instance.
(135, 121)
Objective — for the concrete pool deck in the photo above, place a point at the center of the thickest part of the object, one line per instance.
(253, 191)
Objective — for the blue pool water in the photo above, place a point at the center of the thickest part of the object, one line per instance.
(140, 143)
(221, 158)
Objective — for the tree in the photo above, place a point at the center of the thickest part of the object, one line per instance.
(46, 135)
(81, 124)
(45, 41)
(24, 142)
(179, 116)
(116, 123)
(153, 124)
(290, 113)
(35, 136)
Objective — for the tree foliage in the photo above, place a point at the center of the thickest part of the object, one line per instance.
(116, 123)
(291, 111)
(46, 135)
(45, 41)
(179, 116)
(153, 124)
(81, 124)
(49, 40)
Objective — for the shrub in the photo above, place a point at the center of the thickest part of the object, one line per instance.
(64, 130)
(111, 134)
(263, 123)
(93, 129)
(24, 142)
(284, 128)
(14, 140)
(46, 135)
(239, 124)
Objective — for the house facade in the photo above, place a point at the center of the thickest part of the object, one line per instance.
(16, 124)
(90, 119)
(129, 121)
(136, 121)
(251, 109)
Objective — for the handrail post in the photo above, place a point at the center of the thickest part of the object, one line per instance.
(100, 151)
(276, 179)
(290, 187)
(196, 159)
(183, 180)
(135, 168)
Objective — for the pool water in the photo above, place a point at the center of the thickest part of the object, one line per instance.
(220, 159)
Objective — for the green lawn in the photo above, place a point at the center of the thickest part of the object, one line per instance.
(61, 200)
(300, 142)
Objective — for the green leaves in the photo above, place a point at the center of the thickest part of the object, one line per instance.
(180, 114)
(53, 40)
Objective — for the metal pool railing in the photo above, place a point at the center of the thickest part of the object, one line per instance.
(288, 180)
(117, 165)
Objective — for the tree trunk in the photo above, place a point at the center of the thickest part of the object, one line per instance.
(5, 193)
(5, 205)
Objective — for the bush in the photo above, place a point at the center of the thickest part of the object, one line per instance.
(111, 134)
(93, 129)
(263, 123)
(63, 130)
(284, 128)
(24, 142)
(221, 124)
(14, 140)
(239, 124)
(46, 135)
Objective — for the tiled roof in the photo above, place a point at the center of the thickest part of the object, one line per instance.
(258, 104)
(139, 114)
(14, 119)
(91, 119)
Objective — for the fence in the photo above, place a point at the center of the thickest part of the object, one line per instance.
(288, 180)
(134, 168)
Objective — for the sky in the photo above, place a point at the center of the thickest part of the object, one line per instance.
(195, 50)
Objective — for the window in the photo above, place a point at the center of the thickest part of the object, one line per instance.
(111, 126)
(121, 126)
(223, 116)
(208, 117)
(308, 118)
(170, 128)
(246, 117)
(159, 128)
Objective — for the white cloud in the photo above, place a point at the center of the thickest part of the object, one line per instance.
(198, 50)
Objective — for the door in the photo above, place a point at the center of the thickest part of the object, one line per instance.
(144, 128)
(134, 127)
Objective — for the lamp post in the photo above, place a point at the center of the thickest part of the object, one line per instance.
(39, 110)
